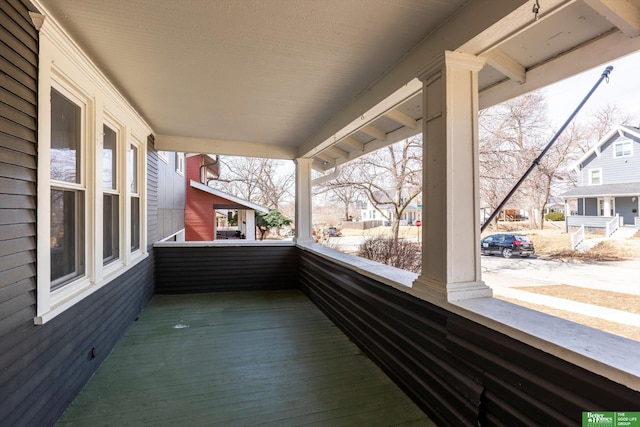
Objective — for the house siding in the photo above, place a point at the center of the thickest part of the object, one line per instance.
(181, 269)
(459, 372)
(18, 130)
(171, 200)
(614, 170)
(42, 368)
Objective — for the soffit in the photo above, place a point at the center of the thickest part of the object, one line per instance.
(326, 79)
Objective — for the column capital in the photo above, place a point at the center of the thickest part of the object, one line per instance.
(452, 59)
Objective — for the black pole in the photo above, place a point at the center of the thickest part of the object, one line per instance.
(536, 162)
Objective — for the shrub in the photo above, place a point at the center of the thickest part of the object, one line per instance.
(397, 253)
(554, 216)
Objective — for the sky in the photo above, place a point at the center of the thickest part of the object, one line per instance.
(623, 90)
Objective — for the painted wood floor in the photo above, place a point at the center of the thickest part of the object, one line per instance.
(239, 359)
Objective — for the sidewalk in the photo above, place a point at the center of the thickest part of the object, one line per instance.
(619, 276)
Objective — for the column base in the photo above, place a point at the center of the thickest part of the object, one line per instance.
(441, 291)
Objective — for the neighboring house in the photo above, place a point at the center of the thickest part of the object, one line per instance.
(608, 182)
(204, 204)
(385, 212)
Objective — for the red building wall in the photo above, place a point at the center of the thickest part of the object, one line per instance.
(199, 216)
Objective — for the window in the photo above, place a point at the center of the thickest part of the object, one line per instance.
(595, 177)
(135, 198)
(111, 197)
(623, 149)
(180, 163)
(83, 179)
(67, 191)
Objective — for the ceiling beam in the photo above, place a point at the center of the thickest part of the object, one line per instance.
(337, 152)
(608, 47)
(506, 65)
(182, 144)
(474, 18)
(374, 132)
(352, 142)
(402, 118)
(623, 14)
(326, 158)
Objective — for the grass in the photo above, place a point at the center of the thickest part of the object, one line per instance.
(552, 242)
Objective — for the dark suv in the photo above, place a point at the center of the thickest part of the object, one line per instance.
(507, 245)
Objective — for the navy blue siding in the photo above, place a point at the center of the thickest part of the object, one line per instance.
(42, 368)
(180, 269)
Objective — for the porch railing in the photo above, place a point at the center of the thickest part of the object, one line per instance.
(612, 226)
(577, 237)
(588, 221)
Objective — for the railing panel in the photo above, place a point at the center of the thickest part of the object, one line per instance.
(198, 267)
(458, 371)
(577, 237)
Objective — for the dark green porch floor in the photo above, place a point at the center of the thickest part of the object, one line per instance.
(239, 359)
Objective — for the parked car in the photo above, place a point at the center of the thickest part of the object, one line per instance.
(507, 245)
(332, 232)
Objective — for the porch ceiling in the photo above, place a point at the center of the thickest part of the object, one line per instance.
(328, 79)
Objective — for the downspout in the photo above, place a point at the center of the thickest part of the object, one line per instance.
(206, 165)
(337, 171)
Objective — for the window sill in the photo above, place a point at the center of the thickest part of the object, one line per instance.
(68, 296)
(605, 354)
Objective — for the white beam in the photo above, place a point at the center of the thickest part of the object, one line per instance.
(402, 118)
(374, 132)
(624, 14)
(609, 47)
(351, 141)
(472, 19)
(184, 144)
(510, 26)
(506, 65)
(326, 158)
(337, 152)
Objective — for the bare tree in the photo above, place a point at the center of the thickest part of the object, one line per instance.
(342, 190)
(258, 180)
(602, 121)
(513, 134)
(391, 178)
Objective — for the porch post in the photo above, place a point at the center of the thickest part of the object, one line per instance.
(303, 200)
(451, 199)
(250, 226)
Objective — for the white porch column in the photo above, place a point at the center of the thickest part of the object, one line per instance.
(606, 210)
(303, 200)
(250, 224)
(451, 200)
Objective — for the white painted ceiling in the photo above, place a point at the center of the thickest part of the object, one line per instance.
(294, 76)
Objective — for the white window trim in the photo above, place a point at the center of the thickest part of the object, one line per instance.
(102, 270)
(627, 141)
(65, 68)
(590, 173)
(180, 163)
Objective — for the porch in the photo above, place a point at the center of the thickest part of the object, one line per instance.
(269, 356)
(239, 359)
